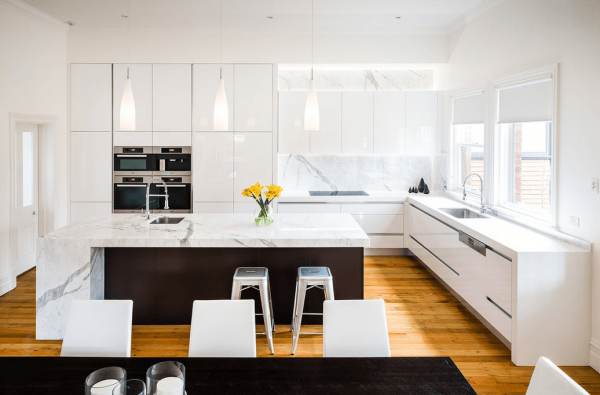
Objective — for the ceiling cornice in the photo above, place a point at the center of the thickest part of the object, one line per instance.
(36, 14)
(473, 14)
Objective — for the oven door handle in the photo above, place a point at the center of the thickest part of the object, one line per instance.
(132, 156)
(171, 186)
(130, 186)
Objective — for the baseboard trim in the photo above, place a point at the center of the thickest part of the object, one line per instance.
(387, 251)
(595, 354)
(5, 284)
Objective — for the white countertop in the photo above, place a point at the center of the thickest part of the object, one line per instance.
(216, 230)
(374, 197)
(497, 233)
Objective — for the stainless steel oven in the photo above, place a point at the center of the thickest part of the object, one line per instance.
(173, 161)
(180, 194)
(129, 193)
(133, 161)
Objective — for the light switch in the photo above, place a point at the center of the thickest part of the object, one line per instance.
(574, 221)
(594, 185)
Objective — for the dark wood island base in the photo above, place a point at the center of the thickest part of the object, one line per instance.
(164, 282)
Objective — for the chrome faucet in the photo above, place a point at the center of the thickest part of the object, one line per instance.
(482, 208)
(166, 195)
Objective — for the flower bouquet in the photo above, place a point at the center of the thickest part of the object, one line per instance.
(264, 211)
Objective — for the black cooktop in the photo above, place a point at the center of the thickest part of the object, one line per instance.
(338, 193)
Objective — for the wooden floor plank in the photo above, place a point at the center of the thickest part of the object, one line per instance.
(424, 319)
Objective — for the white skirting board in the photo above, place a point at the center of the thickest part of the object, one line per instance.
(595, 354)
(5, 284)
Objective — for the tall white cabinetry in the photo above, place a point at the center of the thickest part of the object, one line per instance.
(172, 104)
(357, 122)
(253, 97)
(389, 122)
(91, 97)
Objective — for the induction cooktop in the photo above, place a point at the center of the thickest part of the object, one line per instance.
(338, 193)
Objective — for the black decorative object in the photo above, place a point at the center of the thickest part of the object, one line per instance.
(421, 186)
(426, 191)
(410, 190)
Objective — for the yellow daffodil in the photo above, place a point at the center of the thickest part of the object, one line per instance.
(256, 189)
(275, 190)
(247, 192)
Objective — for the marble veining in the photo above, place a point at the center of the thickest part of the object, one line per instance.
(70, 260)
(357, 80)
(361, 172)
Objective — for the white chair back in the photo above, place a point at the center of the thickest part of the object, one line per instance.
(223, 328)
(98, 328)
(548, 379)
(355, 328)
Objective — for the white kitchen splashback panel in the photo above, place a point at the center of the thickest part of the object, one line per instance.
(361, 172)
(357, 80)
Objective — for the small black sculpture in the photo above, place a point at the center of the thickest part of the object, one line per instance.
(426, 191)
(421, 186)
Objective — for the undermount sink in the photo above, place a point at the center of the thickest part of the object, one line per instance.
(166, 220)
(462, 213)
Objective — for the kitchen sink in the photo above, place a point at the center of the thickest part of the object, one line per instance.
(166, 220)
(462, 213)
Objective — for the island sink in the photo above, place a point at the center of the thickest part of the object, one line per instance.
(166, 220)
(462, 213)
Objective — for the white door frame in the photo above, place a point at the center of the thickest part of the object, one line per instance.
(14, 119)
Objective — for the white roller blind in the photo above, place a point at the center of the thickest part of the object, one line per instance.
(469, 109)
(531, 102)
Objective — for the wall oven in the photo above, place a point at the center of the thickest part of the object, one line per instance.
(129, 194)
(173, 161)
(180, 194)
(133, 161)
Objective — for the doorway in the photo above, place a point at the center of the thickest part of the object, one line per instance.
(32, 188)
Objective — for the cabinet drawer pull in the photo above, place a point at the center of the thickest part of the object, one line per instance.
(500, 308)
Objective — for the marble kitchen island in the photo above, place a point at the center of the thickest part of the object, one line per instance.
(164, 267)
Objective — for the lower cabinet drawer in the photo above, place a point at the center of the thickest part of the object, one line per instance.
(449, 275)
(308, 208)
(382, 241)
(381, 223)
(498, 318)
(213, 208)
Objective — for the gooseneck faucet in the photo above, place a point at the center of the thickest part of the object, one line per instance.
(166, 195)
(482, 208)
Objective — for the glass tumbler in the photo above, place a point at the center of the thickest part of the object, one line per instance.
(166, 378)
(103, 381)
(130, 387)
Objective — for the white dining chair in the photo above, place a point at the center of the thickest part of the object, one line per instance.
(548, 379)
(355, 328)
(98, 328)
(223, 328)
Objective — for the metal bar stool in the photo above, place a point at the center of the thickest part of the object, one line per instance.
(309, 277)
(256, 278)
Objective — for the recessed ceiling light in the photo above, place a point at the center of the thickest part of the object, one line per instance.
(70, 23)
(269, 17)
(124, 16)
(398, 17)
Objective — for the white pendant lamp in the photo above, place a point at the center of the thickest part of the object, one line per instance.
(221, 114)
(127, 119)
(311, 111)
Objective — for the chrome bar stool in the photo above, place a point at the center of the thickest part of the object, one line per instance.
(256, 278)
(309, 277)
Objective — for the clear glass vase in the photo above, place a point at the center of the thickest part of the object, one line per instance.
(263, 215)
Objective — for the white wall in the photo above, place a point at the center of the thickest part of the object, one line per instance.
(519, 35)
(33, 77)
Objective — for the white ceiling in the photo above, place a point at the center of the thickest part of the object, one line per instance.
(290, 17)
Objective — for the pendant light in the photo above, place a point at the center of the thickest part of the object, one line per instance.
(311, 111)
(127, 119)
(221, 114)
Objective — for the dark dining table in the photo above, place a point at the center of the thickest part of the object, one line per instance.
(66, 376)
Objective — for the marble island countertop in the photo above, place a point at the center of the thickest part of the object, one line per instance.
(373, 197)
(216, 230)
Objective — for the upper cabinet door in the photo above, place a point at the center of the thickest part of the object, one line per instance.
(206, 81)
(91, 97)
(328, 139)
(293, 139)
(213, 167)
(389, 122)
(357, 122)
(172, 97)
(421, 122)
(141, 85)
(253, 162)
(253, 97)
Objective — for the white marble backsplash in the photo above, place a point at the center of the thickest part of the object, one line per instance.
(357, 80)
(361, 172)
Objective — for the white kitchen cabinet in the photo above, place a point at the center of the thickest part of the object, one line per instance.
(141, 85)
(172, 97)
(421, 122)
(206, 82)
(373, 208)
(386, 241)
(389, 122)
(253, 161)
(498, 280)
(328, 139)
(213, 208)
(245, 207)
(213, 167)
(81, 211)
(253, 97)
(380, 224)
(171, 139)
(308, 208)
(91, 97)
(91, 166)
(357, 122)
(293, 139)
(132, 139)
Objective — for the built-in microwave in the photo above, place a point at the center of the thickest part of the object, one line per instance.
(173, 161)
(133, 161)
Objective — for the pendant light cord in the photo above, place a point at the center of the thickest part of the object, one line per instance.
(312, 39)
(128, 39)
(221, 39)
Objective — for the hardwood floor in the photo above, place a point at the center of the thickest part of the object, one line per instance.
(424, 319)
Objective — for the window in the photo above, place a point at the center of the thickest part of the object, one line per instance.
(27, 169)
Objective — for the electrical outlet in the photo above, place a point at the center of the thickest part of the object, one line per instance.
(595, 186)
(574, 221)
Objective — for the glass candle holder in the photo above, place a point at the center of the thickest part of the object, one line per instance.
(130, 387)
(166, 378)
(104, 381)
